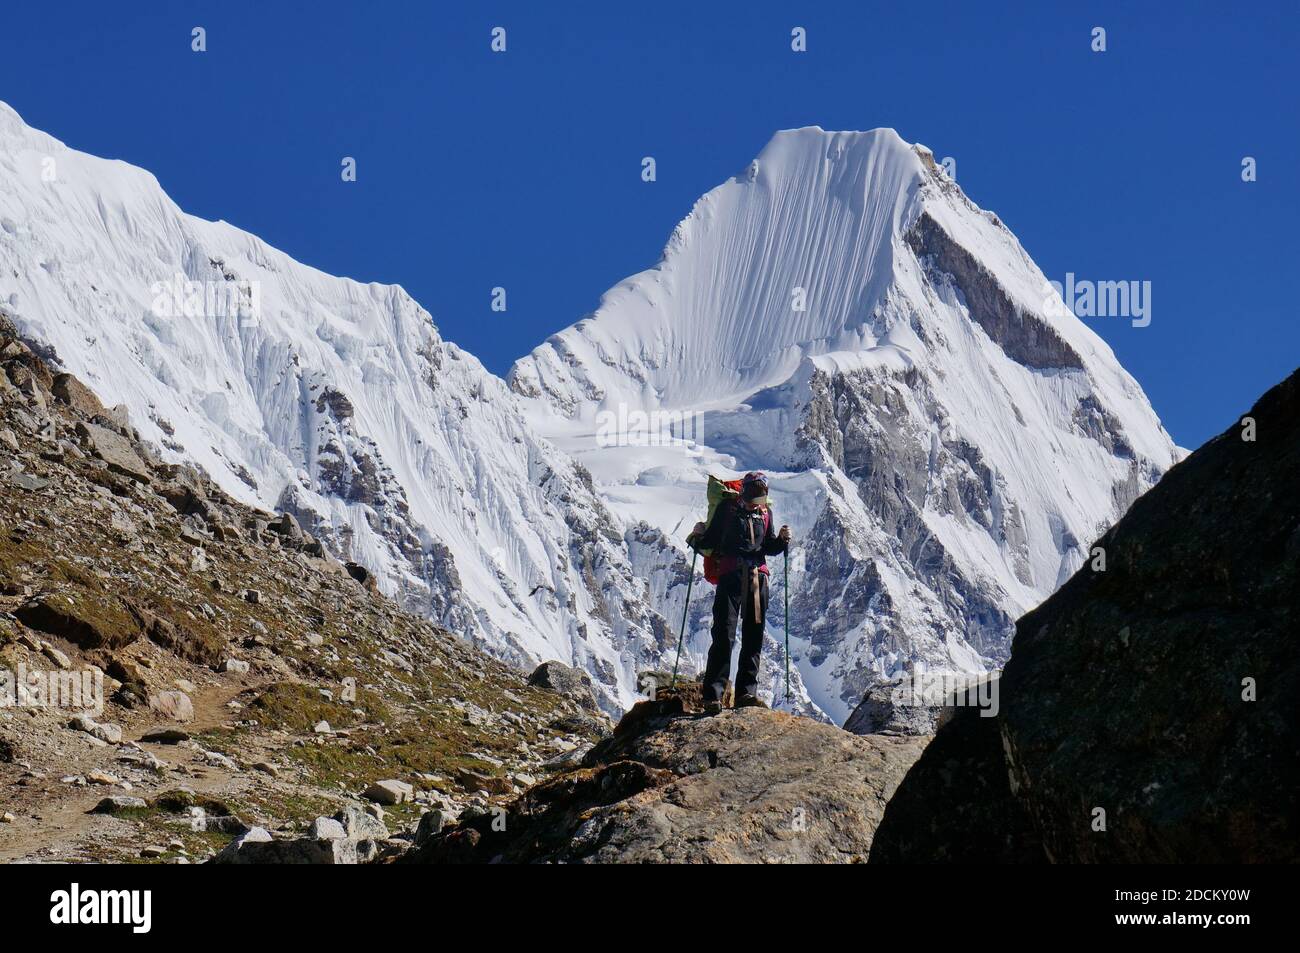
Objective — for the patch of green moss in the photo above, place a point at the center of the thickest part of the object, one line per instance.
(297, 707)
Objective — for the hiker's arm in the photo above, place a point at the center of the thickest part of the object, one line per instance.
(774, 543)
(712, 534)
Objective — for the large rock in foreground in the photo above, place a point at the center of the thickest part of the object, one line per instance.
(746, 786)
(955, 806)
(1148, 713)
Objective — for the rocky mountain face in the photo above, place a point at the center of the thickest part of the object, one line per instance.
(178, 669)
(1147, 713)
(948, 441)
(673, 786)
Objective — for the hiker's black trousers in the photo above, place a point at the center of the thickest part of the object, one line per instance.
(736, 598)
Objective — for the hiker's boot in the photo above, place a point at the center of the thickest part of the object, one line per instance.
(713, 708)
(749, 701)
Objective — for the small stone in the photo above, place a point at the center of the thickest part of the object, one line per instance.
(173, 705)
(361, 825)
(126, 670)
(326, 828)
(322, 728)
(153, 850)
(68, 390)
(116, 803)
(390, 792)
(58, 658)
(7, 818)
(115, 450)
(431, 824)
(167, 736)
(478, 781)
(102, 777)
(267, 768)
(111, 734)
(235, 666)
(255, 835)
(26, 481)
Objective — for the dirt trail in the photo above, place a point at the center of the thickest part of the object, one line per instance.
(51, 817)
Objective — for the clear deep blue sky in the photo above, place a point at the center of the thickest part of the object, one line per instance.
(523, 170)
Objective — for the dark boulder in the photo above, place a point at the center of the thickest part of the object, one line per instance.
(956, 806)
(1148, 710)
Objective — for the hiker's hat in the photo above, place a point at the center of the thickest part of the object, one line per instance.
(753, 485)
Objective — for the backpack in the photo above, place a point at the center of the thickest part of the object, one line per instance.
(717, 492)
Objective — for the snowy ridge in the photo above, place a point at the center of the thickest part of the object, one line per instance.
(336, 400)
(727, 278)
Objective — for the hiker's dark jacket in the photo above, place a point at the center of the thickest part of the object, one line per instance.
(740, 536)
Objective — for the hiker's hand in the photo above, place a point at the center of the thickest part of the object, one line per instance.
(699, 529)
(784, 535)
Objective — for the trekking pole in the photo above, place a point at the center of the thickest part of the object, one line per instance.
(685, 612)
(785, 564)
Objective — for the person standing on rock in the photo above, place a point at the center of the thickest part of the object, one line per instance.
(740, 536)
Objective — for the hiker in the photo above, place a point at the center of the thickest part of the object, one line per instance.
(739, 535)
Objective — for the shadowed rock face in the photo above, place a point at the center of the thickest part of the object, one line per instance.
(1161, 691)
(956, 806)
(746, 786)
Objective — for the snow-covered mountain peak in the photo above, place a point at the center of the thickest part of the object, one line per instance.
(842, 311)
(787, 258)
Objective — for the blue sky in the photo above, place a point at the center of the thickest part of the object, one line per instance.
(523, 170)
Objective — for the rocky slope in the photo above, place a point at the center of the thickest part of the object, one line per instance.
(673, 786)
(1148, 711)
(177, 667)
(951, 437)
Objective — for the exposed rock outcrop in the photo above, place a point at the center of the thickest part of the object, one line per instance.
(572, 683)
(1025, 337)
(746, 786)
